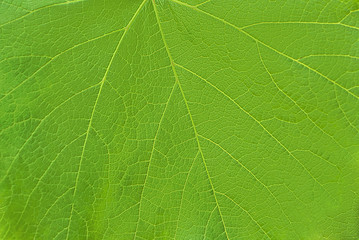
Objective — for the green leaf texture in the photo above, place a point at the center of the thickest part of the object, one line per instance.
(169, 119)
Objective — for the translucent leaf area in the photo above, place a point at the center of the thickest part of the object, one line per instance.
(179, 119)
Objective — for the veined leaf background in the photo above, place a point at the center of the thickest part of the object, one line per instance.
(169, 119)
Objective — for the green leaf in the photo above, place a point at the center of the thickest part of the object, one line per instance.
(169, 119)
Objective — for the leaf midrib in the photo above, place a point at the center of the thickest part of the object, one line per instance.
(190, 115)
(177, 82)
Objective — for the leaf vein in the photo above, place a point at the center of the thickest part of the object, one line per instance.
(246, 211)
(190, 115)
(94, 109)
(39, 125)
(256, 120)
(264, 44)
(55, 57)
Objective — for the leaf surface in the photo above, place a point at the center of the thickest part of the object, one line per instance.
(168, 119)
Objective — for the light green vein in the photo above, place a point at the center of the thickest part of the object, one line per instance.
(19, 7)
(182, 193)
(151, 155)
(250, 172)
(350, 12)
(256, 120)
(342, 110)
(246, 211)
(307, 23)
(45, 173)
(209, 218)
(94, 109)
(257, 40)
(190, 115)
(39, 9)
(328, 55)
(49, 209)
(56, 56)
(292, 100)
(202, 3)
(39, 125)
